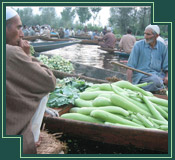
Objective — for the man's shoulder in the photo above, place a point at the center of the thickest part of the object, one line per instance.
(11, 51)
(140, 42)
(12, 48)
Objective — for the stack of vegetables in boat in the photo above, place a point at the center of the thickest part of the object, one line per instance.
(117, 113)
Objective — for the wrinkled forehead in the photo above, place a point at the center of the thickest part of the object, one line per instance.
(15, 20)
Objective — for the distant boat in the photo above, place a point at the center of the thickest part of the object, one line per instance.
(46, 46)
(116, 51)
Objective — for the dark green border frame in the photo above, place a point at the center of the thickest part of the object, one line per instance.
(13, 140)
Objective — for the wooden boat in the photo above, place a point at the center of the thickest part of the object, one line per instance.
(53, 35)
(116, 51)
(90, 42)
(81, 36)
(31, 38)
(46, 46)
(126, 136)
(97, 73)
(52, 39)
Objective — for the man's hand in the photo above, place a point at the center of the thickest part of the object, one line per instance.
(165, 80)
(25, 46)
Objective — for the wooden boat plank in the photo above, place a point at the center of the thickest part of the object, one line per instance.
(31, 38)
(81, 37)
(115, 51)
(141, 138)
(52, 39)
(90, 42)
(41, 47)
(95, 72)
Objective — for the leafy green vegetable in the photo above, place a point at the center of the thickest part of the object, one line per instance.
(66, 91)
(32, 51)
(57, 63)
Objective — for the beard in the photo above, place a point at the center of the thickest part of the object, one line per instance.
(149, 40)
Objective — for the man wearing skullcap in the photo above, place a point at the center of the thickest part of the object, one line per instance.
(27, 83)
(108, 40)
(151, 56)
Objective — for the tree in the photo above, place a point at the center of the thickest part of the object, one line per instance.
(67, 17)
(83, 14)
(48, 15)
(144, 15)
(95, 11)
(26, 16)
(120, 18)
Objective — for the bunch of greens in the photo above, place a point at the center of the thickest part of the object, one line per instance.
(66, 91)
(32, 51)
(57, 63)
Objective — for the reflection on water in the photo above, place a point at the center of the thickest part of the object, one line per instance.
(89, 55)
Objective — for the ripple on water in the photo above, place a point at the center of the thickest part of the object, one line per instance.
(88, 55)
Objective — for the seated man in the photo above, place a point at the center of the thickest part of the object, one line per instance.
(151, 56)
(28, 83)
(108, 40)
(127, 42)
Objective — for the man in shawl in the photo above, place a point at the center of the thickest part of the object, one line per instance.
(151, 56)
(27, 82)
(108, 40)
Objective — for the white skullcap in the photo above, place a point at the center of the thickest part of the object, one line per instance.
(10, 13)
(154, 28)
(108, 28)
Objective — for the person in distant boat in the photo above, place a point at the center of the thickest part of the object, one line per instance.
(32, 31)
(108, 40)
(61, 33)
(28, 83)
(46, 32)
(151, 56)
(25, 31)
(127, 42)
(66, 33)
(159, 38)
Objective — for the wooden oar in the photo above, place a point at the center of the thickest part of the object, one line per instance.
(137, 70)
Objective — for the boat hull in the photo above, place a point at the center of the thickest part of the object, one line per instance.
(126, 136)
(46, 46)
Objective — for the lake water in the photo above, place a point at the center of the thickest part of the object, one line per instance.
(89, 55)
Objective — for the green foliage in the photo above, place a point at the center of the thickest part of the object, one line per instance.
(121, 18)
(67, 17)
(57, 63)
(32, 51)
(66, 91)
(95, 11)
(83, 14)
(26, 16)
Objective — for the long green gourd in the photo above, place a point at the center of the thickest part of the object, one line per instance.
(160, 101)
(128, 85)
(111, 109)
(109, 117)
(101, 101)
(124, 103)
(153, 110)
(80, 117)
(82, 103)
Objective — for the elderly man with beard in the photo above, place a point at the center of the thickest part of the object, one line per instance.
(151, 56)
(28, 83)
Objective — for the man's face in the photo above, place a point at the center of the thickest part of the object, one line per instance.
(149, 36)
(14, 32)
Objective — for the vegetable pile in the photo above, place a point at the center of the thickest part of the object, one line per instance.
(121, 104)
(57, 63)
(66, 91)
(32, 51)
